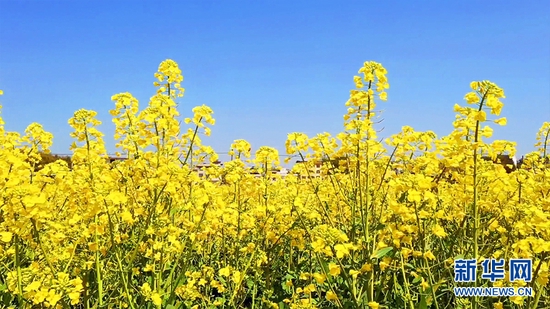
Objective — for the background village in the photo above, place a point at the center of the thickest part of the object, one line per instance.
(510, 163)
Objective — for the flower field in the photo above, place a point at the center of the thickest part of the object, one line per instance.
(381, 228)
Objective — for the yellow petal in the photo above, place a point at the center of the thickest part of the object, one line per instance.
(6, 236)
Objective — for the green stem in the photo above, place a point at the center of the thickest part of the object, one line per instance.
(430, 277)
(98, 268)
(117, 255)
(537, 297)
(475, 206)
(191, 143)
(406, 283)
(37, 236)
(545, 144)
(18, 266)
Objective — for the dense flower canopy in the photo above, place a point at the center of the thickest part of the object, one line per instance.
(378, 226)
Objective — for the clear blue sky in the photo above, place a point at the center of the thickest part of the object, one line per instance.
(268, 68)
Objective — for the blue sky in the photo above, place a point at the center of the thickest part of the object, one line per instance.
(268, 68)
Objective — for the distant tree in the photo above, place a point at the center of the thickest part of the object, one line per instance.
(47, 158)
(337, 164)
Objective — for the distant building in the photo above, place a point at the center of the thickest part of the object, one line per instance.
(200, 168)
(283, 172)
(314, 170)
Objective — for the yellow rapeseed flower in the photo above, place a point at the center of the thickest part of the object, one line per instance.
(331, 296)
(334, 269)
(439, 231)
(6, 236)
(374, 305)
(225, 272)
(429, 255)
(155, 298)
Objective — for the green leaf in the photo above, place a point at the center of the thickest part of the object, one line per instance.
(380, 226)
(249, 283)
(290, 276)
(423, 304)
(382, 252)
